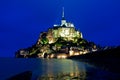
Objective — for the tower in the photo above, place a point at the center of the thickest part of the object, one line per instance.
(63, 21)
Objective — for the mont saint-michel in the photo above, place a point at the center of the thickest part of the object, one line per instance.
(61, 41)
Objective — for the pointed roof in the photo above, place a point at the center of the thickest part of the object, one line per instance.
(63, 17)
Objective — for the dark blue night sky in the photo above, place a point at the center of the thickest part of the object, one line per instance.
(21, 21)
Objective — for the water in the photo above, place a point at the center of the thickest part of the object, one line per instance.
(54, 69)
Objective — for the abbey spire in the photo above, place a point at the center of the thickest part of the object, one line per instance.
(63, 13)
(63, 21)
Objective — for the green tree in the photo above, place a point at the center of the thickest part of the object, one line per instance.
(44, 41)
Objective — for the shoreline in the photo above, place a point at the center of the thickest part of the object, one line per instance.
(107, 59)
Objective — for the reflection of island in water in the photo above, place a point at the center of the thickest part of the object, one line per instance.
(54, 69)
(72, 70)
(67, 71)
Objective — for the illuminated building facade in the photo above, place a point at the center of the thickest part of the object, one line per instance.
(65, 30)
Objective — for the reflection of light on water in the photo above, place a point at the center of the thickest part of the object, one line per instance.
(63, 76)
(62, 70)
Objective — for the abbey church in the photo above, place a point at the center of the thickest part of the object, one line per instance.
(65, 30)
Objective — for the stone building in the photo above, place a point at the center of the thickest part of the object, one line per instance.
(66, 30)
